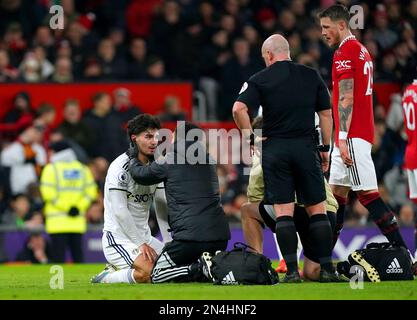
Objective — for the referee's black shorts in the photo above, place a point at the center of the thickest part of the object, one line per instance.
(292, 166)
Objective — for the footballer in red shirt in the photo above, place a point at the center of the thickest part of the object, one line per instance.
(351, 166)
(409, 104)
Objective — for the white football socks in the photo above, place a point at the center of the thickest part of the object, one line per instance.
(120, 276)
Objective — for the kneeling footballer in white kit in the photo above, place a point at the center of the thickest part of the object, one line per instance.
(128, 245)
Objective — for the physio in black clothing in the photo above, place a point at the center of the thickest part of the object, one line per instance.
(290, 94)
(195, 215)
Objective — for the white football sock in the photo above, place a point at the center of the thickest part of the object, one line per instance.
(121, 276)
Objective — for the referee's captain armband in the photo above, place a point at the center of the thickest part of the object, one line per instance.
(343, 135)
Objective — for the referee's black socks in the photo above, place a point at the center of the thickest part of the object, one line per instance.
(383, 217)
(288, 241)
(321, 236)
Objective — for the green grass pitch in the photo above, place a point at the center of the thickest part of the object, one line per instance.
(33, 282)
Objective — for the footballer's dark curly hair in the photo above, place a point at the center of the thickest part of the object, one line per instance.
(335, 13)
(141, 123)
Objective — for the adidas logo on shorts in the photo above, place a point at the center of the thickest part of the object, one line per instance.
(394, 267)
(229, 279)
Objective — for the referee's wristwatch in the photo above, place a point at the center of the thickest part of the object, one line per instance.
(324, 148)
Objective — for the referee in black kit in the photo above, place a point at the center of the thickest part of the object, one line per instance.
(290, 94)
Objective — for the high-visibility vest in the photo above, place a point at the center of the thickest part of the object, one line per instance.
(65, 185)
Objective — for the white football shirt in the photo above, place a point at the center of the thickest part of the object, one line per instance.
(139, 199)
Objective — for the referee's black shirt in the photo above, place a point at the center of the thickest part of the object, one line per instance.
(289, 94)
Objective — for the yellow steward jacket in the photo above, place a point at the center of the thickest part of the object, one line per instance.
(66, 184)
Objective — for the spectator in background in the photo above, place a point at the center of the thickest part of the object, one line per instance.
(395, 181)
(45, 117)
(186, 52)
(36, 249)
(95, 212)
(166, 25)
(207, 17)
(287, 22)
(63, 50)
(139, 16)
(251, 35)
(25, 157)
(137, 59)
(14, 42)
(298, 8)
(74, 128)
(34, 194)
(359, 213)
(266, 19)
(172, 110)
(63, 71)
(227, 194)
(19, 214)
(235, 72)
(7, 71)
(112, 67)
(123, 106)
(80, 153)
(109, 137)
(406, 62)
(92, 71)
(384, 36)
(228, 23)
(81, 45)
(98, 167)
(68, 189)
(5, 192)
(388, 70)
(30, 69)
(294, 40)
(155, 70)
(117, 37)
(213, 57)
(46, 67)
(394, 15)
(409, 37)
(412, 13)
(18, 118)
(373, 49)
(407, 215)
(43, 37)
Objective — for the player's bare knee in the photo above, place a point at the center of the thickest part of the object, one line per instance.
(311, 270)
(245, 211)
(340, 191)
(248, 211)
(318, 208)
(142, 264)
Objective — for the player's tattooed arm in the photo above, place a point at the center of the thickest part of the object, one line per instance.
(345, 104)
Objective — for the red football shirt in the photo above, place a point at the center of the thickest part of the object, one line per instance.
(409, 105)
(352, 60)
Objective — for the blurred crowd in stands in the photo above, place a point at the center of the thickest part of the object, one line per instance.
(214, 44)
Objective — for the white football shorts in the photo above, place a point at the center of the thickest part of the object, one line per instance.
(121, 253)
(360, 176)
(412, 183)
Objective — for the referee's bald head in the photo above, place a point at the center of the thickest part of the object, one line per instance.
(275, 48)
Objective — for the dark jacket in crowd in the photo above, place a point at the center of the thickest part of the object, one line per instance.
(79, 133)
(109, 137)
(192, 192)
